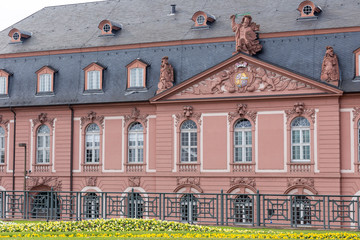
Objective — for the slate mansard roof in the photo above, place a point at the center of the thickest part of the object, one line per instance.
(76, 27)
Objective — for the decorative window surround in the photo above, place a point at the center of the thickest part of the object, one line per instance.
(356, 135)
(4, 144)
(109, 28)
(357, 65)
(136, 74)
(202, 20)
(18, 36)
(41, 120)
(45, 80)
(4, 82)
(94, 75)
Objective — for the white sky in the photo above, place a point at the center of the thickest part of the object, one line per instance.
(13, 11)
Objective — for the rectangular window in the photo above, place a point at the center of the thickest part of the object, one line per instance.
(93, 80)
(2, 149)
(136, 77)
(45, 83)
(3, 85)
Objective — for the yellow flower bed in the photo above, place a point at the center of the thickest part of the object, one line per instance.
(127, 228)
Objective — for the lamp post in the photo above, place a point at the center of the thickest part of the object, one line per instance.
(24, 146)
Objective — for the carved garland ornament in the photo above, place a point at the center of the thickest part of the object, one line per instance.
(188, 180)
(309, 182)
(134, 181)
(91, 118)
(187, 114)
(42, 119)
(52, 182)
(4, 123)
(243, 77)
(356, 112)
(136, 116)
(91, 181)
(242, 181)
(299, 110)
(242, 112)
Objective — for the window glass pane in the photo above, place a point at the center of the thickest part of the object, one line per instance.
(2, 85)
(140, 155)
(184, 154)
(40, 156)
(306, 152)
(47, 141)
(248, 154)
(184, 139)
(93, 80)
(248, 136)
(295, 136)
(238, 154)
(193, 155)
(132, 155)
(193, 139)
(296, 152)
(136, 77)
(97, 155)
(47, 157)
(45, 83)
(306, 136)
(2, 156)
(40, 141)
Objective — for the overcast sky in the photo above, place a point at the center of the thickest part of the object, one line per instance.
(13, 11)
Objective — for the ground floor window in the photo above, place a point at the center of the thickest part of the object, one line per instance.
(243, 209)
(189, 208)
(44, 205)
(91, 203)
(301, 210)
(135, 206)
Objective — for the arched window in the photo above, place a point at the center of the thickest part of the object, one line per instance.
(242, 141)
(189, 208)
(44, 205)
(2, 145)
(301, 210)
(92, 145)
(43, 145)
(91, 203)
(300, 139)
(188, 141)
(243, 209)
(136, 206)
(136, 143)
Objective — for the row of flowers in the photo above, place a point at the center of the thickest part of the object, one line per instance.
(134, 228)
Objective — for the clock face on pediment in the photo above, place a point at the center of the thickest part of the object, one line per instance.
(246, 78)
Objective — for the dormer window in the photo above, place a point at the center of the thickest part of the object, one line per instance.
(94, 77)
(4, 82)
(45, 80)
(137, 74)
(308, 11)
(109, 28)
(18, 36)
(202, 19)
(357, 64)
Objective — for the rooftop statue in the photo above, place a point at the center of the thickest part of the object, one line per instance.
(330, 67)
(166, 76)
(245, 35)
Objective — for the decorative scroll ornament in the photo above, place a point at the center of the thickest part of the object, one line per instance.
(166, 76)
(91, 181)
(52, 182)
(242, 112)
(41, 119)
(4, 122)
(299, 110)
(91, 118)
(243, 181)
(244, 78)
(188, 180)
(245, 35)
(356, 112)
(187, 114)
(134, 181)
(136, 116)
(330, 67)
(309, 182)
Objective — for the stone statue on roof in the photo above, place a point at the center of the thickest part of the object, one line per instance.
(245, 35)
(166, 76)
(330, 67)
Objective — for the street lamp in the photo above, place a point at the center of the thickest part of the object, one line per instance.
(24, 146)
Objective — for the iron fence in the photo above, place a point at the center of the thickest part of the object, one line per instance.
(266, 210)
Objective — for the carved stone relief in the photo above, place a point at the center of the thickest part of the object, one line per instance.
(91, 118)
(91, 181)
(356, 112)
(188, 180)
(243, 181)
(41, 119)
(134, 181)
(136, 116)
(166, 76)
(291, 182)
(245, 35)
(299, 110)
(244, 78)
(187, 114)
(330, 67)
(242, 112)
(52, 182)
(4, 123)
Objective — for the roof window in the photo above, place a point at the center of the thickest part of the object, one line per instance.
(202, 20)
(18, 36)
(308, 11)
(109, 28)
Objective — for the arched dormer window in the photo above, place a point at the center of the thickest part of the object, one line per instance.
(242, 141)
(43, 145)
(202, 20)
(308, 11)
(18, 36)
(188, 141)
(109, 28)
(92, 144)
(300, 139)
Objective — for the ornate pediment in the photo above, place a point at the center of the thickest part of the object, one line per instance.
(299, 110)
(241, 111)
(187, 114)
(42, 119)
(242, 181)
(136, 116)
(91, 118)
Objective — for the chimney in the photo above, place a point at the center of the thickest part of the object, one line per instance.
(173, 11)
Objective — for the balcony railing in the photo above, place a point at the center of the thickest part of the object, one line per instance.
(300, 167)
(91, 167)
(243, 167)
(39, 168)
(135, 167)
(188, 167)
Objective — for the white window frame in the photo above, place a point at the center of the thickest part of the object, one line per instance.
(301, 144)
(93, 80)
(191, 135)
(2, 145)
(3, 83)
(45, 82)
(243, 131)
(136, 77)
(92, 144)
(136, 151)
(44, 139)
